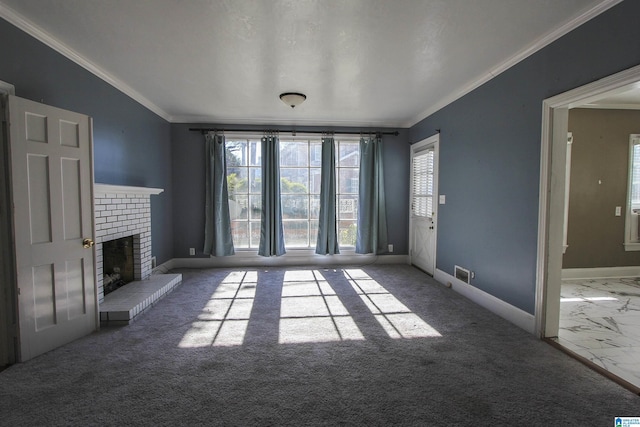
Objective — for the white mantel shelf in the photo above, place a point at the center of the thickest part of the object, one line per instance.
(125, 189)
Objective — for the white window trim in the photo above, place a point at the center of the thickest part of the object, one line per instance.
(631, 243)
(567, 188)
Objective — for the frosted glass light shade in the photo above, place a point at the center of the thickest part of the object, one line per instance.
(293, 99)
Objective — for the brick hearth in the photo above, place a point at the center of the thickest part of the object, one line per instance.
(122, 211)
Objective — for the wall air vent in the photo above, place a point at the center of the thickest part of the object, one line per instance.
(462, 274)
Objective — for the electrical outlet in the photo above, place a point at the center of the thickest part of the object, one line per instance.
(192, 251)
(390, 248)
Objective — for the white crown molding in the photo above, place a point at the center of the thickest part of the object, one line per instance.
(39, 34)
(532, 48)
(125, 189)
(7, 88)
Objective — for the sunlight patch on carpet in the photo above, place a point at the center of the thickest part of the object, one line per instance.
(224, 320)
(396, 319)
(310, 311)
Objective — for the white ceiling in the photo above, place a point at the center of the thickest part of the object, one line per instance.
(360, 62)
(624, 98)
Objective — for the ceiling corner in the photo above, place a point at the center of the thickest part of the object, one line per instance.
(39, 34)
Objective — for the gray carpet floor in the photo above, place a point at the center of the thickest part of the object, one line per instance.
(373, 345)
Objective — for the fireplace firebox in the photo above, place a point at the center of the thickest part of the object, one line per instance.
(118, 263)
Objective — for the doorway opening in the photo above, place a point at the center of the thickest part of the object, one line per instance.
(553, 191)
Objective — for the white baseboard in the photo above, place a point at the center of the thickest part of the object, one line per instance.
(600, 272)
(503, 309)
(290, 259)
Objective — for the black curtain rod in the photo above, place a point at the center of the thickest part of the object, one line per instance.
(292, 131)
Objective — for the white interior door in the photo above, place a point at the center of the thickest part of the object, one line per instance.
(424, 189)
(52, 186)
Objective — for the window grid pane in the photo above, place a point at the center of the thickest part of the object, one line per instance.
(347, 174)
(300, 181)
(422, 183)
(244, 184)
(635, 177)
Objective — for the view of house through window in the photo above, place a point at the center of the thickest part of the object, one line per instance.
(244, 182)
(300, 163)
(300, 171)
(347, 173)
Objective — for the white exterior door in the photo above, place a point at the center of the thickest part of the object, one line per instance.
(52, 186)
(424, 189)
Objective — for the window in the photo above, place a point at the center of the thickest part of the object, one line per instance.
(300, 190)
(244, 184)
(632, 239)
(300, 170)
(347, 186)
(422, 203)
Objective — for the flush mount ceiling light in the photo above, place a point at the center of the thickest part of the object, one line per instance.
(293, 99)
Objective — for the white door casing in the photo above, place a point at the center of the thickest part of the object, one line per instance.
(424, 203)
(52, 193)
(552, 187)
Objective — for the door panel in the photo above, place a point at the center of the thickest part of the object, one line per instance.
(421, 256)
(44, 292)
(76, 289)
(423, 206)
(72, 200)
(39, 201)
(52, 182)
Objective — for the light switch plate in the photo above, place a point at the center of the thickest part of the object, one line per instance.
(443, 199)
(618, 210)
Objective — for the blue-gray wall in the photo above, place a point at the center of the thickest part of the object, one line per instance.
(188, 184)
(490, 153)
(131, 144)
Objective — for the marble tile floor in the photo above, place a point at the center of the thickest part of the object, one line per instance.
(600, 321)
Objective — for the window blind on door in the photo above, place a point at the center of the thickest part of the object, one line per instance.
(422, 184)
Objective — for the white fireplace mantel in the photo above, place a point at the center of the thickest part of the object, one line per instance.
(125, 189)
(122, 211)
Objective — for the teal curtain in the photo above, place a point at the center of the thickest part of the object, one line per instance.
(271, 230)
(372, 213)
(217, 234)
(327, 227)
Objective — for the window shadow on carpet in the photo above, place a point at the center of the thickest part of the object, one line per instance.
(302, 306)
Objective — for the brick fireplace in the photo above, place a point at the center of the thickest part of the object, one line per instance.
(123, 211)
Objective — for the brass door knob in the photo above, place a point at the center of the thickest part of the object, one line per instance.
(87, 243)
